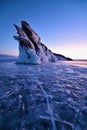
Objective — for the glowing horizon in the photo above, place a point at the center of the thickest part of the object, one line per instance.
(71, 52)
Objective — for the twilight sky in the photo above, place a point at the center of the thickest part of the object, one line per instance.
(61, 24)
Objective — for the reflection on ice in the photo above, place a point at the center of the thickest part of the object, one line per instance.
(82, 64)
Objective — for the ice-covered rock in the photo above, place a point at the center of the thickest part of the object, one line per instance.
(31, 50)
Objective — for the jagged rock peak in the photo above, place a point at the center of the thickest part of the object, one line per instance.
(30, 32)
(31, 50)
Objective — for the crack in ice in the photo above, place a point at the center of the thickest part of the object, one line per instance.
(48, 105)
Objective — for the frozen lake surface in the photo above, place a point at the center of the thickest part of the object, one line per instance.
(50, 96)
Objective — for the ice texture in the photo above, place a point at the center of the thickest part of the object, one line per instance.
(43, 97)
(31, 49)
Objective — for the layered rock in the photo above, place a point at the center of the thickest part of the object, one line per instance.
(31, 50)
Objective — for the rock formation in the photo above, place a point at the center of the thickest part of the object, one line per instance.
(31, 50)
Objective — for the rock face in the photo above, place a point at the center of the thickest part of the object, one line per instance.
(31, 50)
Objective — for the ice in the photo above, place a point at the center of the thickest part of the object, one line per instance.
(49, 107)
(31, 49)
(50, 96)
(8, 58)
(28, 56)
